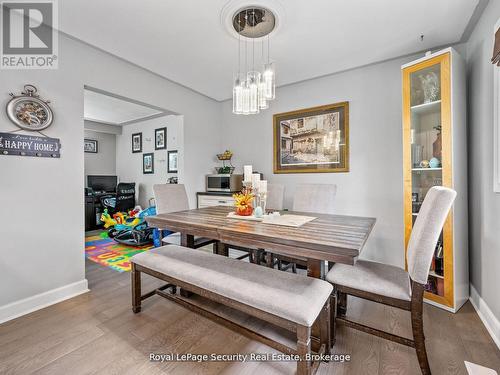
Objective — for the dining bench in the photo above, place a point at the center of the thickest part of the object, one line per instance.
(287, 300)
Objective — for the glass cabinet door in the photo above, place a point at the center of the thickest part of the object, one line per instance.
(426, 131)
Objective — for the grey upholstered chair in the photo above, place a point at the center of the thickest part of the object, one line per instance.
(275, 195)
(172, 198)
(312, 198)
(392, 285)
(317, 198)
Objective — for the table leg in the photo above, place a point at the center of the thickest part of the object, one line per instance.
(187, 240)
(316, 269)
(222, 249)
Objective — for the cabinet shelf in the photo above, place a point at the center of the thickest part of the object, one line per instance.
(427, 169)
(434, 274)
(426, 108)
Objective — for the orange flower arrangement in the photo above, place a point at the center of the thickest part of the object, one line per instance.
(243, 202)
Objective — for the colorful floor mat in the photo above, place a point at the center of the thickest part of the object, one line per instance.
(110, 253)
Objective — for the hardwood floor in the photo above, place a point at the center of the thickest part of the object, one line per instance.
(98, 333)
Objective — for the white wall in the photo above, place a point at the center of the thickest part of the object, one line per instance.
(484, 204)
(374, 185)
(129, 165)
(41, 239)
(104, 162)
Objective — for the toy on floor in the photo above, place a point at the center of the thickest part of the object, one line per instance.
(130, 228)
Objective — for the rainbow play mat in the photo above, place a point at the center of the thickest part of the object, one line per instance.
(110, 253)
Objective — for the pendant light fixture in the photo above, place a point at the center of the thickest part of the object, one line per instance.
(252, 89)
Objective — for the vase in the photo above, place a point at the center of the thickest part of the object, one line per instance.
(244, 211)
(436, 147)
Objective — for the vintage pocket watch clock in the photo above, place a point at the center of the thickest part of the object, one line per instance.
(28, 111)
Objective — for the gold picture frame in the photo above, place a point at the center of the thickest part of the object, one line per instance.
(312, 140)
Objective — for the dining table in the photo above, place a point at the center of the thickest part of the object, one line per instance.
(326, 239)
(330, 238)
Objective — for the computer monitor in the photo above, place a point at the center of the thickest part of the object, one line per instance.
(102, 183)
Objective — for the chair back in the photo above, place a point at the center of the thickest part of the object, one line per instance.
(426, 231)
(275, 195)
(317, 198)
(125, 196)
(170, 198)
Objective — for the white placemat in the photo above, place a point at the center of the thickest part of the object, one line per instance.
(232, 215)
(288, 220)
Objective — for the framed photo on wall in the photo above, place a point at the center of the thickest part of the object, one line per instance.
(161, 139)
(90, 146)
(173, 161)
(148, 163)
(312, 140)
(136, 142)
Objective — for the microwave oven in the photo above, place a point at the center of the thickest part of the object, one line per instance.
(224, 182)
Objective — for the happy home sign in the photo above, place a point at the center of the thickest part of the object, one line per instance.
(27, 145)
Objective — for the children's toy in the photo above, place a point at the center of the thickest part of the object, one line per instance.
(130, 229)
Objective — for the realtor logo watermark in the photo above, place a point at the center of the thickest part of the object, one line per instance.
(29, 37)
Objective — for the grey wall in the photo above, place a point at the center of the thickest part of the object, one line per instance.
(44, 197)
(129, 165)
(484, 204)
(374, 185)
(104, 162)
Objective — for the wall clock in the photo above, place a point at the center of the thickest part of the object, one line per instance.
(28, 111)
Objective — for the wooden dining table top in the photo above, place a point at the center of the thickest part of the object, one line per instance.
(333, 238)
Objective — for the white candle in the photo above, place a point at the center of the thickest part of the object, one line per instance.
(247, 170)
(263, 186)
(255, 180)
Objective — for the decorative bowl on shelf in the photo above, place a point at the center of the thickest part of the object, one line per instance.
(224, 170)
(227, 155)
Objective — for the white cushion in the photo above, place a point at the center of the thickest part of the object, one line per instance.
(294, 297)
(372, 277)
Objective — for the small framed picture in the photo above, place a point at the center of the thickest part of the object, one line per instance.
(161, 139)
(136, 142)
(148, 163)
(90, 145)
(173, 161)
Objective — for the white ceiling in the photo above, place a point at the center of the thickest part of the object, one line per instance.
(186, 42)
(114, 110)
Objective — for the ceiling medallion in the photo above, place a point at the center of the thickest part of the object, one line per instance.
(28, 112)
(253, 87)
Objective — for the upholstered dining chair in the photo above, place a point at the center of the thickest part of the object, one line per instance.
(393, 286)
(310, 198)
(275, 196)
(172, 198)
(315, 198)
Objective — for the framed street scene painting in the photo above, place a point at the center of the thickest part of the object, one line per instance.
(312, 140)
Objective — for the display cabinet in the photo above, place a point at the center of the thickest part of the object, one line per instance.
(435, 153)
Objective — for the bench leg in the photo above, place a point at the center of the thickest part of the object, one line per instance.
(303, 349)
(325, 331)
(341, 303)
(136, 289)
(333, 316)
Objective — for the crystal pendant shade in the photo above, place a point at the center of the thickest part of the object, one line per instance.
(252, 89)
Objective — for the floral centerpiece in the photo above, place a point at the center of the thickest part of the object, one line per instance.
(244, 202)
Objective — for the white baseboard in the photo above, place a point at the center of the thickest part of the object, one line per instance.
(489, 320)
(39, 301)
